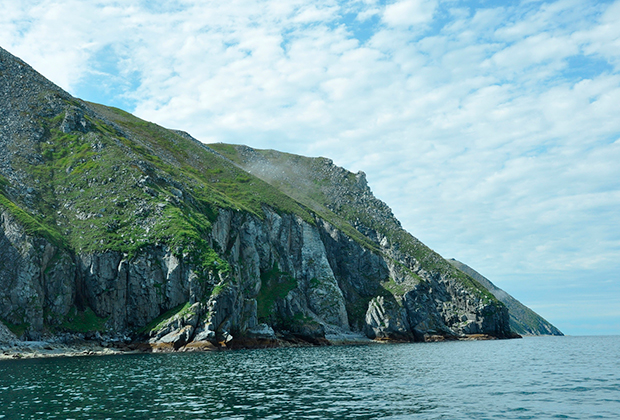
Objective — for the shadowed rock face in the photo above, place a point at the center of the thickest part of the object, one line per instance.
(112, 224)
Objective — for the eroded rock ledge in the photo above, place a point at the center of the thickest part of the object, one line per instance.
(288, 282)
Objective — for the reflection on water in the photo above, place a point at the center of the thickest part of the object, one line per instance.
(550, 377)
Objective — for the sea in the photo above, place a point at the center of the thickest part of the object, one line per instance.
(530, 378)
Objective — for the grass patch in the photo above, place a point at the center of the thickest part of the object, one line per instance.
(222, 184)
(3, 183)
(17, 329)
(159, 322)
(82, 321)
(275, 285)
(218, 289)
(31, 224)
(394, 288)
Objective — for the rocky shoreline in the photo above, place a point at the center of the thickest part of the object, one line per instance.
(43, 349)
(99, 346)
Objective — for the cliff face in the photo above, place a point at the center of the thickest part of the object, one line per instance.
(523, 320)
(112, 224)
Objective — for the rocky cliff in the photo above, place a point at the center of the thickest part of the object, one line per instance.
(113, 226)
(523, 320)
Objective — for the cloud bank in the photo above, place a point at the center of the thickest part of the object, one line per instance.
(490, 128)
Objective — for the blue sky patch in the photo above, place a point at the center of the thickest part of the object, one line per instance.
(580, 67)
(107, 82)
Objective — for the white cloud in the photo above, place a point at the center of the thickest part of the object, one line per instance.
(313, 14)
(536, 49)
(409, 12)
(366, 14)
(33, 29)
(603, 40)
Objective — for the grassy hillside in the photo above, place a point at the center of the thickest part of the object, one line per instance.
(123, 183)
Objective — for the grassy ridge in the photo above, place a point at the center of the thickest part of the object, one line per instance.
(127, 183)
(336, 196)
(32, 225)
(218, 182)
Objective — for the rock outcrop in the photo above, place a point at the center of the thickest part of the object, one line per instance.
(113, 225)
(523, 320)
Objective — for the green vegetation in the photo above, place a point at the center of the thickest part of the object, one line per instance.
(335, 196)
(159, 322)
(296, 176)
(218, 289)
(132, 185)
(3, 184)
(295, 323)
(32, 225)
(209, 260)
(396, 289)
(219, 182)
(524, 321)
(275, 285)
(82, 321)
(17, 329)
(475, 287)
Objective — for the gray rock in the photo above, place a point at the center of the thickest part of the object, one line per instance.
(261, 331)
(523, 320)
(74, 121)
(386, 319)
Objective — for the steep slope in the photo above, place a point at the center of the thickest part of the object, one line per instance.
(344, 200)
(523, 320)
(109, 223)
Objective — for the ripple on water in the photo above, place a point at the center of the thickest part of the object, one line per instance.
(552, 377)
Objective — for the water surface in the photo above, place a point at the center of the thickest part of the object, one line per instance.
(532, 378)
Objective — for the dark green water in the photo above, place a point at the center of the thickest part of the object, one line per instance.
(533, 378)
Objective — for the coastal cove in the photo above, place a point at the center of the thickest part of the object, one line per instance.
(541, 377)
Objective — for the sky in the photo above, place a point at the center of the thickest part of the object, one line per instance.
(491, 128)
